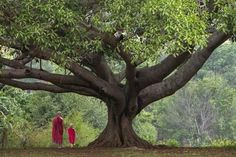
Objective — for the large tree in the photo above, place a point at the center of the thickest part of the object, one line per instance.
(89, 38)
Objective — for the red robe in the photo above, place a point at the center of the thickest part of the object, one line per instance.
(71, 134)
(57, 130)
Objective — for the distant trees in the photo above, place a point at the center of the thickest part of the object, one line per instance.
(223, 65)
(201, 112)
(5, 127)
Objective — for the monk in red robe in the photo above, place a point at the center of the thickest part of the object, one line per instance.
(57, 129)
(71, 135)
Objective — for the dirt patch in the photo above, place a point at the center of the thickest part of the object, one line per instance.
(119, 152)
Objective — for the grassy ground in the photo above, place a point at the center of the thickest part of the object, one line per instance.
(126, 152)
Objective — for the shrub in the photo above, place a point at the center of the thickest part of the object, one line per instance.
(223, 143)
(170, 142)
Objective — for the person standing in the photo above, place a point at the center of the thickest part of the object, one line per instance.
(57, 129)
(71, 135)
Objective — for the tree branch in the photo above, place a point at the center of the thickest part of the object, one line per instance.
(182, 75)
(81, 90)
(63, 81)
(70, 83)
(157, 73)
(34, 86)
(120, 76)
(42, 75)
(98, 64)
(84, 74)
(96, 82)
(103, 86)
(131, 91)
(124, 55)
(11, 63)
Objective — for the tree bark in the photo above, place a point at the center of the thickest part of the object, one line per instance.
(119, 132)
(4, 138)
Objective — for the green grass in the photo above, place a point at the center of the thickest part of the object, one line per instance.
(126, 152)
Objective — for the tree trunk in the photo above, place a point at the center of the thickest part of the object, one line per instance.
(119, 132)
(4, 138)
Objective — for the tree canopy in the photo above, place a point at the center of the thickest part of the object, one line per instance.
(152, 27)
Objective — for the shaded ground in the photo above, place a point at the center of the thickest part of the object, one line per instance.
(125, 152)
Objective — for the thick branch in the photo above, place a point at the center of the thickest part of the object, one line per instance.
(131, 91)
(33, 86)
(124, 55)
(64, 81)
(21, 71)
(183, 74)
(120, 76)
(69, 83)
(81, 90)
(101, 85)
(104, 71)
(11, 63)
(23, 59)
(42, 75)
(99, 66)
(130, 73)
(157, 73)
(130, 68)
(86, 75)
(79, 71)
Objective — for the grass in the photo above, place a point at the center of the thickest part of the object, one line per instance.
(125, 152)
